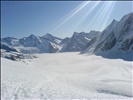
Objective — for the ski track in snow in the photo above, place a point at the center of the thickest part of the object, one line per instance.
(66, 76)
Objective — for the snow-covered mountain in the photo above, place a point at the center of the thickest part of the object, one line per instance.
(64, 41)
(34, 44)
(116, 41)
(10, 41)
(78, 41)
(51, 38)
(49, 43)
(7, 48)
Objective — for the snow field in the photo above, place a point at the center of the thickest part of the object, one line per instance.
(66, 76)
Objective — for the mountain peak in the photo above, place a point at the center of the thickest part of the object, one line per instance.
(32, 36)
(127, 16)
(114, 21)
(48, 35)
(78, 33)
(75, 33)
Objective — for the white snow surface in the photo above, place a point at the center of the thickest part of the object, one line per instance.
(66, 76)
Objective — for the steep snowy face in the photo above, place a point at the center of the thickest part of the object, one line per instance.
(78, 41)
(125, 32)
(115, 40)
(51, 38)
(108, 30)
(34, 44)
(7, 48)
(47, 47)
(10, 41)
(46, 43)
(64, 41)
(31, 41)
(119, 36)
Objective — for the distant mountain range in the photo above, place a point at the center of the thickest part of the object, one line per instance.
(78, 41)
(116, 41)
(48, 43)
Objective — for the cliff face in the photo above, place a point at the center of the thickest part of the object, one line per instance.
(115, 41)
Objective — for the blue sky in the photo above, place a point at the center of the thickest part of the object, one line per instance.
(59, 18)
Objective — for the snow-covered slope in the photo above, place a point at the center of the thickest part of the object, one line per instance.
(11, 41)
(116, 41)
(66, 76)
(64, 41)
(49, 43)
(7, 48)
(30, 41)
(34, 44)
(51, 38)
(78, 41)
(16, 56)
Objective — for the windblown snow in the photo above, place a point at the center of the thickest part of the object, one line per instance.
(66, 76)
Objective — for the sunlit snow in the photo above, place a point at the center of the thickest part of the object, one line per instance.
(66, 76)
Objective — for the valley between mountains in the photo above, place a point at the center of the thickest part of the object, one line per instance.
(94, 65)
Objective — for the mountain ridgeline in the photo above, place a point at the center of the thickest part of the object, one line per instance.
(78, 41)
(48, 43)
(115, 41)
